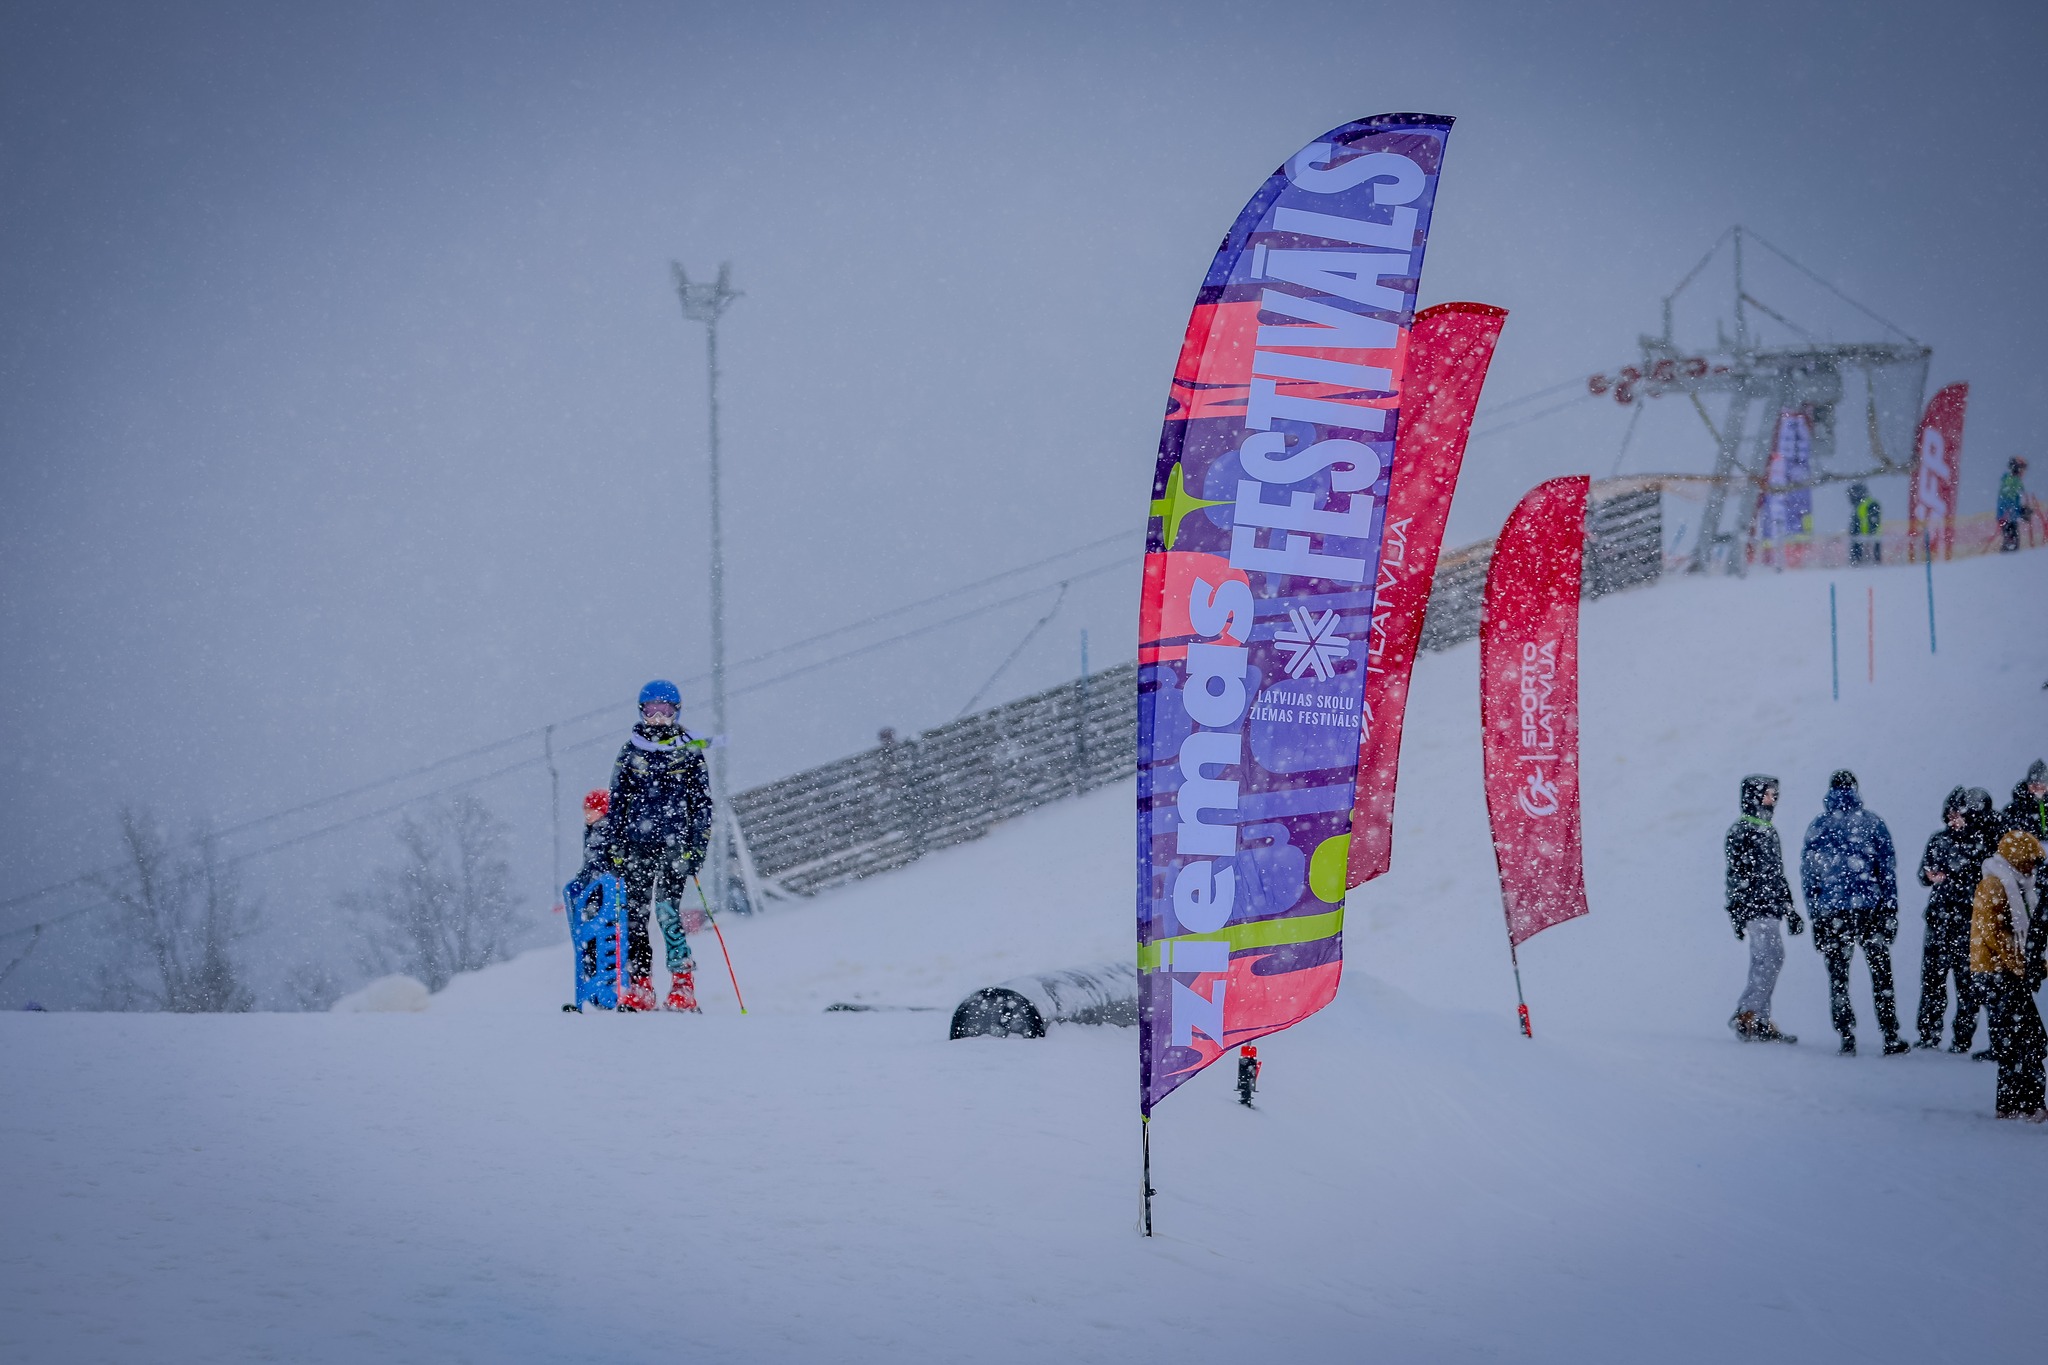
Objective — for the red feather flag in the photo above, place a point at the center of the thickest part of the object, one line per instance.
(1448, 355)
(1529, 709)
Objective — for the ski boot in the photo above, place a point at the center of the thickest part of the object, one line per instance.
(682, 993)
(1767, 1032)
(1848, 1048)
(1895, 1046)
(1745, 1026)
(638, 996)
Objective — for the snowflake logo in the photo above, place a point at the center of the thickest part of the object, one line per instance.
(1312, 646)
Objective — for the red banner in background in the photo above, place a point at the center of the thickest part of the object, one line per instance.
(1529, 706)
(1937, 466)
(1448, 353)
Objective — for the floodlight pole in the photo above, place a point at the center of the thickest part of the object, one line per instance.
(705, 303)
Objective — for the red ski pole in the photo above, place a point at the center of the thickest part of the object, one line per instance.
(706, 901)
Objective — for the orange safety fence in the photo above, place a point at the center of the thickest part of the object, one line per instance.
(1974, 535)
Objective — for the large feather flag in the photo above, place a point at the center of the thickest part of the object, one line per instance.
(1262, 553)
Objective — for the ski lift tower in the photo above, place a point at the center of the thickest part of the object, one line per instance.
(1818, 378)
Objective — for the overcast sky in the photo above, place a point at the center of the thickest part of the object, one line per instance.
(348, 419)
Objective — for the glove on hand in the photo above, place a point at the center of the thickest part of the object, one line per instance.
(2037, 972)
(1793, 924)
(1738, 929)
(1889, 925)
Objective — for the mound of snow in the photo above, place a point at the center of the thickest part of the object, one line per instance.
(394, 994)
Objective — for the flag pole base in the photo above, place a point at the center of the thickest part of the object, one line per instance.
(1145, 1142)
(1521, 1005)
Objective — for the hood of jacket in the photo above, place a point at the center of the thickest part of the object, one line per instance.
(1753, 788)
(2020, 851)
(1841, 799)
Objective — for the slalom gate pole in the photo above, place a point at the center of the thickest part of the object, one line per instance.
(1521, 1005)
(1145, 1141)
(706, 902)
(1930, 596)
(1870, 627)
(1834, 649)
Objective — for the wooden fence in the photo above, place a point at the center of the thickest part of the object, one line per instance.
(894, 803)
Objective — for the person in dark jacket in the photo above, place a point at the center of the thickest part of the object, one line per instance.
(2027, 812)
(1950, 869)
(660, 818)
(1759, 898)
(597, 850)
(1850, 876)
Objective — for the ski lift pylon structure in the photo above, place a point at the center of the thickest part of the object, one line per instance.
(1761, 381)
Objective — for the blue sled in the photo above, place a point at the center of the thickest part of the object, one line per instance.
(597, 933)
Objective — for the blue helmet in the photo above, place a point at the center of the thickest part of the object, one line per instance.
(661, 689)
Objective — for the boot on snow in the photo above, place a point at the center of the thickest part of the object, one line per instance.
(1767, 1032)
(1744, 1025)
(639, 996)
(1895, 1045)
(682, 993)
(1848, 1048)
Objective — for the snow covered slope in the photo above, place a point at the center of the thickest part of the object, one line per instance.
(493, 1180)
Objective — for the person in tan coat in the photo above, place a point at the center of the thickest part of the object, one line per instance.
(2009, 954)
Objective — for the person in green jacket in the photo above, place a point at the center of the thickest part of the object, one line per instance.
(1866, 521)
(2012, 504)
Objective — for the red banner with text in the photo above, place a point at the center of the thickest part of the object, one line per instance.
(1448, 354)
(1529, 706)
(1937, 467)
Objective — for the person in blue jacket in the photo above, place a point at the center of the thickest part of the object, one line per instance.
(1851, 881)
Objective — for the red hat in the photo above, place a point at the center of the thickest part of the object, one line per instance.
(599, 801)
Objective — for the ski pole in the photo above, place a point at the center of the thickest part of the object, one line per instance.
(706, 902)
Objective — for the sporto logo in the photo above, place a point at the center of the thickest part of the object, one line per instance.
(1539, 797)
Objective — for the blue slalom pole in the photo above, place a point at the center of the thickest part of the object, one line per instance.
(1834, 652)
(1929, 545)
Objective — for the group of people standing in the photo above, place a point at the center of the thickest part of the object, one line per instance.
(1985, 929)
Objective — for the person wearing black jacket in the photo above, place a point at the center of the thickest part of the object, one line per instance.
(660, 818)
(1759, 896)
(1950, 869)
(2028, 810)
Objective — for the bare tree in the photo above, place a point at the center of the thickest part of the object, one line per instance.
(182, 912)
(311, 986)
(446, 905)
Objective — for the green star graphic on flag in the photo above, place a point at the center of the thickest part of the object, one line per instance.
(1178, 505)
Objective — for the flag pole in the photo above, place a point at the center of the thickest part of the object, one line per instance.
(1930, 595)
(1834, 650)
(1521, 1005)
(1145, 1141)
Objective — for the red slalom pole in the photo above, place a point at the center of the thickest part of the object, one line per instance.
(706, 902)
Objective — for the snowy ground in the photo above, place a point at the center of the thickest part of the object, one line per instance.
(492, 1180)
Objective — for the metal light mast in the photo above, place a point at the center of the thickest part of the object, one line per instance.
(706, 303)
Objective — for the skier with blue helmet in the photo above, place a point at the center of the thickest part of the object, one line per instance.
(660, 818)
